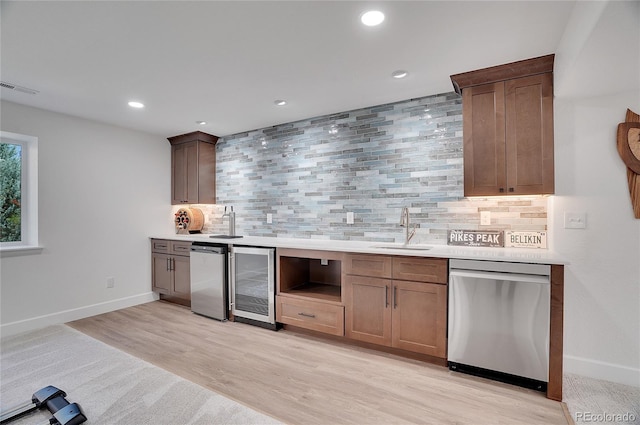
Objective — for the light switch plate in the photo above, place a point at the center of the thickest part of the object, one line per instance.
(573, 220)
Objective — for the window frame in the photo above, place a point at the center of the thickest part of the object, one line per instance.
(29, 193)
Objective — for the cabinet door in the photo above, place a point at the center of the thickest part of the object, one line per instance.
(529, 135)
(181, 277)
(368, 309)
(483, 111)
(419, 317)
(206, 173)
(161, 273)
(184, 173)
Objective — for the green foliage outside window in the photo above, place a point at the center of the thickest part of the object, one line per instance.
(10, 192)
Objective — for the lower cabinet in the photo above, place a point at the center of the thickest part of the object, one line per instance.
(170, 268)
(387, 300)
(384, 310)
(309, 290)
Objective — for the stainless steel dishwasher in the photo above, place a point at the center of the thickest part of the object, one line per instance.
(499, 321)
(208, 267)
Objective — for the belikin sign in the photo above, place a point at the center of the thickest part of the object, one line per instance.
(525, 239)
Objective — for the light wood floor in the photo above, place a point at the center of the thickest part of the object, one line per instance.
(301, 379)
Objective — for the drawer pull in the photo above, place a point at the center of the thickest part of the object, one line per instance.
(313, 316)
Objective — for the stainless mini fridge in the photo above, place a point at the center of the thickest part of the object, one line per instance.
(208, 267)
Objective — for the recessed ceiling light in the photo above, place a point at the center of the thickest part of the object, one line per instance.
(134, 104)
(399, 74)
(201, 122)
(372, 18)
(280, 102)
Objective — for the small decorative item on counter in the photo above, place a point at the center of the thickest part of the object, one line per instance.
(189, 220)
(486, 238)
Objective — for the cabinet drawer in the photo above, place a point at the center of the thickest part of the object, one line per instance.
(180, 248)
(369, 265)
(420, 269)
(159, 245)
(312, 315)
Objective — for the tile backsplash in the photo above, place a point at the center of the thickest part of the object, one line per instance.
(371, 162)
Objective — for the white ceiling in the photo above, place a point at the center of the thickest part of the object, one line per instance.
(225, 62)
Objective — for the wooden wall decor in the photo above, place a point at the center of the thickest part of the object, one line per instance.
(629, 150)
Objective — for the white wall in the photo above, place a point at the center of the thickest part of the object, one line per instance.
(600, 79)
(103, 191)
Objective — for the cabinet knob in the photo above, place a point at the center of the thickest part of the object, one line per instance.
(501, 189)
(510, 189)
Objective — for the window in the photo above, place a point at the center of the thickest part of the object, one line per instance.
(18, 191)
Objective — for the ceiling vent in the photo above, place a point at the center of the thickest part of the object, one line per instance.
(17, 88)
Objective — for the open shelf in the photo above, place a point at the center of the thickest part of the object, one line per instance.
(310, 274)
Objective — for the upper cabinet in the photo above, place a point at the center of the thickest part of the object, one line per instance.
(508, 128)
(193, 168)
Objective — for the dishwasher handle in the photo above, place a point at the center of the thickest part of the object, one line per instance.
(513, 277)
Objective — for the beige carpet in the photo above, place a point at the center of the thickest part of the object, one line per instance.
(111, 386)
(601, 402)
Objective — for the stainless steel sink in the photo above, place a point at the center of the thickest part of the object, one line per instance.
(415, 247)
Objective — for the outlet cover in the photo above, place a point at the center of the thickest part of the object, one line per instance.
(111, 281)
(350, 218)
(485, 218)
(269, 218)
(574, 220)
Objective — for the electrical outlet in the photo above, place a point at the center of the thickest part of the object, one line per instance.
(111, 281)
(485, 218)
(350, 217)
(269, 218)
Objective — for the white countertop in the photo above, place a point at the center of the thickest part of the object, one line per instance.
(518, 255)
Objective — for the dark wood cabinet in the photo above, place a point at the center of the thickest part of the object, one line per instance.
(508, 128)
(398, 302)
(193, 168)
(170, 269)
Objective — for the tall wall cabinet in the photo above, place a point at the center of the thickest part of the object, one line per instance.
(193, 168)
(508, 128)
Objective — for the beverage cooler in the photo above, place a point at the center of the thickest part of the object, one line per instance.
(252, 285)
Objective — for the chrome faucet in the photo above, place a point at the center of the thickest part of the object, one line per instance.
(404, 222)
(228, 212)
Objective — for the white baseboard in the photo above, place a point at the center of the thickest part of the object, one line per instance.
(602, 370)
(8, 329)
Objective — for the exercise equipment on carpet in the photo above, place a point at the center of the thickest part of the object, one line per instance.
(52, 398)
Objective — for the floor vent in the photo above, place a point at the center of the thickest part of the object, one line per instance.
(16, 87)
